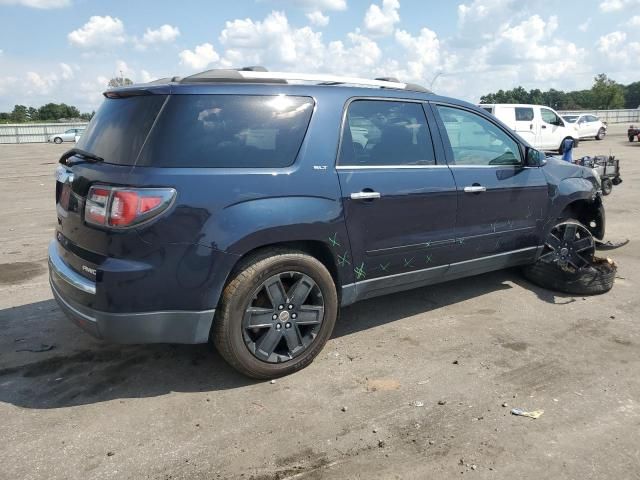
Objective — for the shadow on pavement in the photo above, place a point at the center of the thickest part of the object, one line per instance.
(81, 371)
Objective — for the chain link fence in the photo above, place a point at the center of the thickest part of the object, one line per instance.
(33, 132)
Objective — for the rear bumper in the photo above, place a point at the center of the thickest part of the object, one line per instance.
(139, 327)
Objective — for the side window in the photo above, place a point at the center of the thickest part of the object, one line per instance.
(379, 132)
(476, 141)
(524, 114)
(549, 117)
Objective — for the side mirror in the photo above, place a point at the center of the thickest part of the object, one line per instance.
(534, 158)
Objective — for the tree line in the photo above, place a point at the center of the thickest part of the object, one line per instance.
(50, 112)
(605, 94)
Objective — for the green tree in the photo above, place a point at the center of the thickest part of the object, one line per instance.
(32, 113)
(632, 95)
(119, 82)
(606, 93)
(19, 114)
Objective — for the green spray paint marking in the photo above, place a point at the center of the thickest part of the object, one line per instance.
(385, 267)
(344, 259)
(428, 259)
(334, 240)
(360, 273)
(408, 263)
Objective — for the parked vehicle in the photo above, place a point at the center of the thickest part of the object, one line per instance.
(68, 135)
(588, 126)
(633, 132)
(247, 206)
(540, 126)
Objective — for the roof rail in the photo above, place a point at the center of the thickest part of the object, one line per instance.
(258, 74)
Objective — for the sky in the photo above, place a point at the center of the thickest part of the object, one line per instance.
(67, 50)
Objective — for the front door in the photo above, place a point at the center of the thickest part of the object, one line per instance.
(400, 203)
(552, 130)
(501, 202)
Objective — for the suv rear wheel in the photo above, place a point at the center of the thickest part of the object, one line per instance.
(276, 314)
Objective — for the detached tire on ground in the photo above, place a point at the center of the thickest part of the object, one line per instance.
(276, 314)
(592, 280)
(567, 263)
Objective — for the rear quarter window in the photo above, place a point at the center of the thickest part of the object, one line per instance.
(228, 131)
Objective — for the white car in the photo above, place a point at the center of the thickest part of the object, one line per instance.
(541, 126)
(68, 136)
(589, 126)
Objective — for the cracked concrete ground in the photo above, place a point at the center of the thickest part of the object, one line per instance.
(73, 408)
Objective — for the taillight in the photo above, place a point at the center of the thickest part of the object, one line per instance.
(124, 207)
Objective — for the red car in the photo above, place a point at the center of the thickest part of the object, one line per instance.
(633, 132)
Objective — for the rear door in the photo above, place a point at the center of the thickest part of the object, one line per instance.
(525, 123)
(400, 203)
(501, 202)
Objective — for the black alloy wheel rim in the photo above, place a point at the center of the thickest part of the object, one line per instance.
(283, 318)
(569, 244)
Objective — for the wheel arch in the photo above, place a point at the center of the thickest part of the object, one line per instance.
(317, 249)
(589, 212)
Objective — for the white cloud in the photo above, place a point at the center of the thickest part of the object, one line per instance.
(318, 19)
(583, 27)
(617, 5)
(200, 57)
(42, 4)
(146, 76)
(381, 21)
(41, 84)
(67, 71)
(322, 5)
(634, 21)
(98, 32)
(422, 53)
(164, 34)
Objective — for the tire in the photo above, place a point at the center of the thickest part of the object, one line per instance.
(592, 280)
(601, 134)
(607, 186)
(57, 140)
(239, 343)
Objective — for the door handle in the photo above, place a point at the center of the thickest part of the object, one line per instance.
(365, 195)
(475, 189)
(544, 126)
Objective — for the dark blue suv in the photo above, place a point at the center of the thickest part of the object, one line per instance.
(245, 207)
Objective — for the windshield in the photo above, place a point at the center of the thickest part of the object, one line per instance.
(570, 118)
(120, 126)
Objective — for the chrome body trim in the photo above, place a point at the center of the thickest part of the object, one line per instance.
(58, 267)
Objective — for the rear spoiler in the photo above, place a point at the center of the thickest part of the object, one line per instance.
(136, 91)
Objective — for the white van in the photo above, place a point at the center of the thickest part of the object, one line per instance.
(541, 126)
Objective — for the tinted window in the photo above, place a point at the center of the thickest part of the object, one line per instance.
(488, 109)
(228, 131)
(380, 132)
(570, 118)
(524, 114)
(591, 118)
(476, 141)
(549, 117)
(120, 126)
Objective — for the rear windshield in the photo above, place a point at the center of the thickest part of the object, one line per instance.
(228, 131)
(118, 129)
